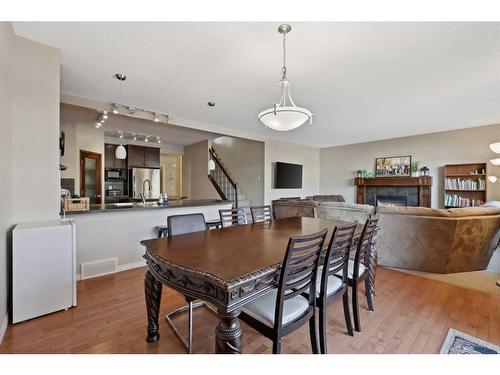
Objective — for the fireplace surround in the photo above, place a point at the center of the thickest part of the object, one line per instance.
(412, 191)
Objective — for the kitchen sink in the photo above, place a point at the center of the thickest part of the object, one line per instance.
(133, 204)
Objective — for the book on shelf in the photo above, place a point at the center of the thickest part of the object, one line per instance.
(464, 184)
(454, 200)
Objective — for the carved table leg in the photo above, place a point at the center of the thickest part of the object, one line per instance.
(152, 291)
(228, 333)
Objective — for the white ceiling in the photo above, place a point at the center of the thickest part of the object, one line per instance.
(169, 134)
(363, 81)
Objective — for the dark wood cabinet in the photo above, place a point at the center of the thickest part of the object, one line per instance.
(151, 157)
(143, 157)
(135, 156)
(110, 160)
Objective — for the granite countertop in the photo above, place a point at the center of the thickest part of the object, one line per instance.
(112, 207)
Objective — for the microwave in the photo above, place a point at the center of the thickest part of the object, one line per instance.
(115, 174)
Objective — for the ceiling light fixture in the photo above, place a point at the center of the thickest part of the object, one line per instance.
(114, 108)
(156, 118)
(283, 117)
(495, 147)
(492, 179)
(146, 139)
(495, 161)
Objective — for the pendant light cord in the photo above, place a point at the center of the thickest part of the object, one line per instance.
(283, 70)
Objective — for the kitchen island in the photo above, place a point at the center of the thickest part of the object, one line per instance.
(108, 236)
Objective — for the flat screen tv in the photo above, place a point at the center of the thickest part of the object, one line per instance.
(288, 176)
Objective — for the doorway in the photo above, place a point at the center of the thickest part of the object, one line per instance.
(90, 176)
(170, 175)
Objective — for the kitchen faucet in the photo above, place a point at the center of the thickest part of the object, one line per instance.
(143, 196)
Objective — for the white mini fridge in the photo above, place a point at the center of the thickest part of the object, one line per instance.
(43, 268)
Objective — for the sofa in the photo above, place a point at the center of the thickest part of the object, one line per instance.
(323, 206)
(326, 198)
(345, 211)
(437, 240)
(292, 208)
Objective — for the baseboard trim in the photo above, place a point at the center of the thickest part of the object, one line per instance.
(119, 268)
(3, 327)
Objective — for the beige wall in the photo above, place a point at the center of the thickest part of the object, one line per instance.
(35, 131)
(244, 160)
(6, 220)
(338, 165)
(308, 157)
(195, 182)
(29, 134)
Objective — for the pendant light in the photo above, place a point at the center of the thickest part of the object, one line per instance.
(495, 147)
(285, 115)
(120, 152)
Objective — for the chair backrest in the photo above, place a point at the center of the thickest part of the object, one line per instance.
(337, 255)
(299, 270)
(232, 216)
(261, 213)
(181, 224)
(364, 247)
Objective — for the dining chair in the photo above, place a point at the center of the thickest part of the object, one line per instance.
(232, 216)
(328, 286)
(177, 225)
(358, 269)
(283, 310)
(261, 214)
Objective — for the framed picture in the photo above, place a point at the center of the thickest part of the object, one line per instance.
(395, 166)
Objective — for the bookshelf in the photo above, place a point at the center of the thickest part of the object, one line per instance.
(464, 185)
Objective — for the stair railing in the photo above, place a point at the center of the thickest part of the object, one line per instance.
(225, 185)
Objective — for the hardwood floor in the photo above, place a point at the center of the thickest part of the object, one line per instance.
(412, 315)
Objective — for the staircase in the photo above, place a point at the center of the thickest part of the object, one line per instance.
(225, 184)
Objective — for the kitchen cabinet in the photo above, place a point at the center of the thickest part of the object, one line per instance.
(110, 160)
(143, 157)
(152, 157)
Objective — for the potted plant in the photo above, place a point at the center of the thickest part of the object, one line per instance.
(414, 168)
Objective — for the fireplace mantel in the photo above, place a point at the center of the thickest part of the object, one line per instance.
(424, 185)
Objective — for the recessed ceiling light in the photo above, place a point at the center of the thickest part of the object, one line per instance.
(211, 104)
(120, 77)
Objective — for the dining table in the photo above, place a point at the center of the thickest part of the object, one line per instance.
(226, 268)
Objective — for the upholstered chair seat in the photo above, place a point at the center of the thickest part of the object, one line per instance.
(334, 283)
(350, 270)
(263, 308)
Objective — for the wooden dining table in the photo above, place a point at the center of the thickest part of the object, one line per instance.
(226, 268)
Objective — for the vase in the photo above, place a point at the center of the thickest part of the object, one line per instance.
(414, 174)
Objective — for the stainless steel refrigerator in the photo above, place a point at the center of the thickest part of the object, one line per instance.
(146, 181)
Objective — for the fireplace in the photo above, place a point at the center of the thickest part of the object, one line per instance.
(394, 191)
(391, 200)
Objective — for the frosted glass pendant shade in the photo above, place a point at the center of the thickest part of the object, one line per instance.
(495, 161)
(492, 179)
(283, 117)
(120, 152)
(495, 147)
